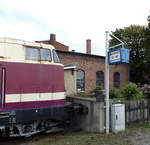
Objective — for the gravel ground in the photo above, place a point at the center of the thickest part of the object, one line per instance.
(134, 135)
(141, 136)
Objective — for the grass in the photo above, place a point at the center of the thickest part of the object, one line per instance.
(137, 134)
(80, 138)
(83, 138)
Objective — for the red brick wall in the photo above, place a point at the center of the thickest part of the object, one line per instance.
(92, 64)
(123, 69)
(59, 46)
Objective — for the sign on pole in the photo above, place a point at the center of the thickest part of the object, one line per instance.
(118, 55)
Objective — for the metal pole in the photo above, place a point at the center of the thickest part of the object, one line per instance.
(107, 76)
(107, 83)
(117, 38)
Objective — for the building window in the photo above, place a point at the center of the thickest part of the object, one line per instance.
(116, 79)
(80, 80)
(100, 78)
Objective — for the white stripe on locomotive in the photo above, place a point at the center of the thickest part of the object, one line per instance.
(16, 98)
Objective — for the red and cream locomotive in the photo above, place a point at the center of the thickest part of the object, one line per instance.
(32, 93)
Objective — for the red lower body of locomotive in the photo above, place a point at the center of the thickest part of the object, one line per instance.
(32, 98)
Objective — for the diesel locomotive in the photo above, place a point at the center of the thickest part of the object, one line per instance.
(32, 92)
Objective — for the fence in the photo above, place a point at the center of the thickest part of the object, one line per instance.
(94, 121)
(137, 111)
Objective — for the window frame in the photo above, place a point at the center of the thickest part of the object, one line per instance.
(116, 75)
(81, 81)
(53, 50)
(32, 58)
(39, 54)
(101, 80)
(50, 54)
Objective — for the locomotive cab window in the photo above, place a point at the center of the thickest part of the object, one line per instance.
(45, 55)
(55, 57)
(32, 53)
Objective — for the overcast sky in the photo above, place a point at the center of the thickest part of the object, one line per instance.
(73, 21)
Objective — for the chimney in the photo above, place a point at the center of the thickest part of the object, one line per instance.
(52, 37)
(88, 46)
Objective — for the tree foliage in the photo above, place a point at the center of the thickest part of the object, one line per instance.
(137, 39)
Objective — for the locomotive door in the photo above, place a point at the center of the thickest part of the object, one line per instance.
(2, 86)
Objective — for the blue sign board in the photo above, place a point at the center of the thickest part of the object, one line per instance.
(118, 55)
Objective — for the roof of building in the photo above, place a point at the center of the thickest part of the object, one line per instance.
(55, 43)
(61, 48)
(49, 42)
(79, 53)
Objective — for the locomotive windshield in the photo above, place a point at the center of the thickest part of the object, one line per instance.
(32, 53)
(55, 56)
(38, 54)
(45, 54)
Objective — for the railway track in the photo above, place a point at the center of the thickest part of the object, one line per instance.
(29, 140)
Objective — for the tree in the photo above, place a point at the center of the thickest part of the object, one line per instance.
(147, 50)
(137, 39)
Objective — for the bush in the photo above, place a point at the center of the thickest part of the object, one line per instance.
(98, 90)
(114, 93)
(131, 91)
(82, 94)
(146, 90)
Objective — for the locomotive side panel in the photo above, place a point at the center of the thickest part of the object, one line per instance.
(33, 85)
(32, 93)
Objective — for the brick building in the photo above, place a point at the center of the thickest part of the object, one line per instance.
(89, 67)
(57, 45)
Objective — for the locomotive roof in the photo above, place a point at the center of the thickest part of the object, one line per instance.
(25, 43)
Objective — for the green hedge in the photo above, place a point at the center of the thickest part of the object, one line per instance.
(131, 92)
